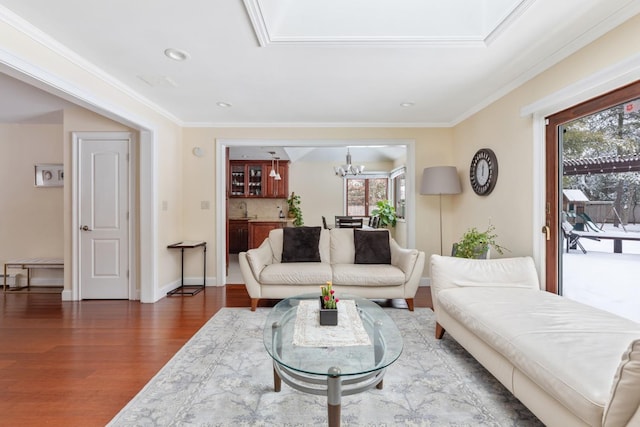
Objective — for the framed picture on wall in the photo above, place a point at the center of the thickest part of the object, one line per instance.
(49, 175)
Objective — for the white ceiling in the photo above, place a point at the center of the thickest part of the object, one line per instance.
(310, 63)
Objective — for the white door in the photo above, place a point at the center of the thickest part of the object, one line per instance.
(103, 216)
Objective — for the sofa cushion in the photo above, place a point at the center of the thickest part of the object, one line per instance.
(367, 275)
(301, 244)
(624, 403)
(275, 241)
(372, 246)
(301, 273)
(551, 339)
(342, 246)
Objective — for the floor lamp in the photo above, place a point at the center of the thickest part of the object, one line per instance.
(440, 180)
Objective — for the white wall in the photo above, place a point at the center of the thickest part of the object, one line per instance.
(31, 218)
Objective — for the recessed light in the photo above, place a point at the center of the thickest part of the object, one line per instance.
(407, 104)
(176, 54)
(223, 104)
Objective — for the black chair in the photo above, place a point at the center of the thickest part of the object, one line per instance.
(572, 238)
(348, 222)
(324, 223)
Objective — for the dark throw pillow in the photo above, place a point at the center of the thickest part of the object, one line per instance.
(372, 246)
(301, 244)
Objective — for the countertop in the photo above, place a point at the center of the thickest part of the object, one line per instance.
(261, 219)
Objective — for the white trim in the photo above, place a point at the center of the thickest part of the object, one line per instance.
(148, 254)
(539, 196)
(610, 78)
(15, 21)
(221, 182)
(599, 83)
(320, 125)
(148, 217)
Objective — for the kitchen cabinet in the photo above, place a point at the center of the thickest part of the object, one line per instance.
(246, 179)
(280, 188)
(259, 230)
(251, 179)
(238, 235)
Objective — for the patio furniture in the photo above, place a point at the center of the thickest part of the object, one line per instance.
(572, 238)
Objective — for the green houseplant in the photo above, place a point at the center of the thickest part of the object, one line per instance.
(476, 244)
(386, 212)
(294, 210)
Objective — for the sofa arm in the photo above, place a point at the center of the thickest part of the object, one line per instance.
(252, 263)
(259, 258)
(404, 259)
(623, 408)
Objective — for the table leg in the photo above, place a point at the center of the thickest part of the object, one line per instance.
(617, 246)
(181, 267)
(334, 397)
(277, 381)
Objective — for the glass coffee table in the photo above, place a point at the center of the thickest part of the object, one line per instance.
(332, 361)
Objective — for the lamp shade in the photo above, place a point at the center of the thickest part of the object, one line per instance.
(440, 180)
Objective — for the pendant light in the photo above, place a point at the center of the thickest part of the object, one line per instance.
(277, 176)
(272, 174)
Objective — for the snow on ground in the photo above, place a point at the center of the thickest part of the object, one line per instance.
(602, 278)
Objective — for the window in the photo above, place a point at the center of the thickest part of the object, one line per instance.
(364, 193)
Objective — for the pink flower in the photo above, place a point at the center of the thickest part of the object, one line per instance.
(332, 292)
(326, 298)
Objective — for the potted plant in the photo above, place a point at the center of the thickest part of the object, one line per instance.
(294, 210)
(328, 306)
(476, 244)
(386, 212)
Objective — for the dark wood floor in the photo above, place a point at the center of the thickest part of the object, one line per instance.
(78, 363)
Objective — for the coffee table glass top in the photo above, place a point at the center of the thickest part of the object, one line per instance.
(317, 354)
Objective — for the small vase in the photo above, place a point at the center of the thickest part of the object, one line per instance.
(328, 316)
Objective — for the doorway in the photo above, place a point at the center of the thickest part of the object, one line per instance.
(221, 182)
(589, 200)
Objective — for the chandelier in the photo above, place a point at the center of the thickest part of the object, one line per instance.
(348, 168)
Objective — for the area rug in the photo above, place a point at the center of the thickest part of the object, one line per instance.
(223, 377)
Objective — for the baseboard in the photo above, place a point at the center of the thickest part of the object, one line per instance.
(425, 281)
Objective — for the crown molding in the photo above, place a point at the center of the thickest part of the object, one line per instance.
(34, 33)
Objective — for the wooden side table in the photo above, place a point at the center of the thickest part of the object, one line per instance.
(189, 289)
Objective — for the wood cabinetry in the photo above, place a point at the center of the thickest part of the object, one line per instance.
(259, 230)
(238, 235)
(246, 179)
(278, 188)
(251, 179)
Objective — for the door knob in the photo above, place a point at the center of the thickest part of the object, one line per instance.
(85, 228)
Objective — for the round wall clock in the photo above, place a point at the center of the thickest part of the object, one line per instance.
(483, 172)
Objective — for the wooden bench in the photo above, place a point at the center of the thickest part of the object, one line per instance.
(29, 264)
(617, 237)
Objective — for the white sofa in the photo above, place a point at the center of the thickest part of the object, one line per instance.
(569, 363)
(267, 277)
